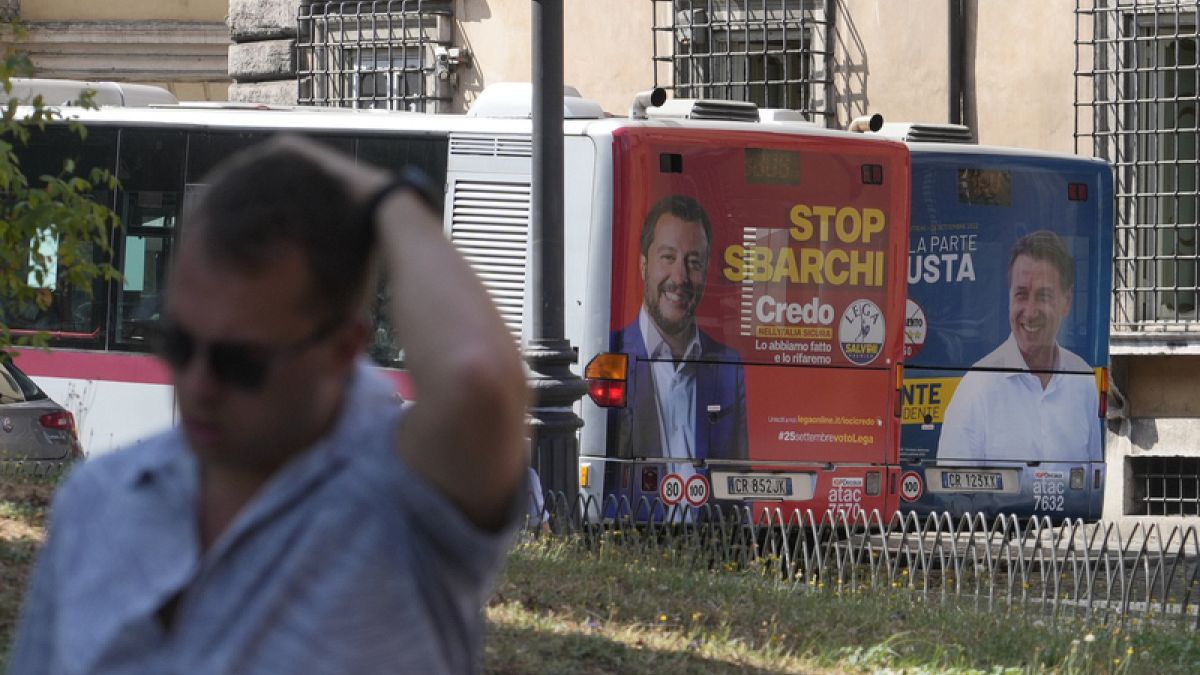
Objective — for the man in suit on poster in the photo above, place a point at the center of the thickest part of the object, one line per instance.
(687, 391)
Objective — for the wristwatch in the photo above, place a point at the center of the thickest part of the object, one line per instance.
(410, 178)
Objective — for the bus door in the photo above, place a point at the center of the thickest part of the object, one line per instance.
(1006, 334)
(755, 328)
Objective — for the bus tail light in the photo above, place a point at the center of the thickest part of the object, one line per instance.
(585, 475)
(899, 408)
(1096, 479)
(62, 420)
(1077, 478)
(607, 374)
(1102, 386)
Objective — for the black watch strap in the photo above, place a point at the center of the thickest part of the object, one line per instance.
(409, 177)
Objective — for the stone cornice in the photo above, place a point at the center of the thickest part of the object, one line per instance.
(148, 50)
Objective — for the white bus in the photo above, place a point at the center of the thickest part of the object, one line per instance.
(794, 286)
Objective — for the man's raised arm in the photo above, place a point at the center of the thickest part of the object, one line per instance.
(465, 433)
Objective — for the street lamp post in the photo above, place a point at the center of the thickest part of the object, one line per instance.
(553, 422)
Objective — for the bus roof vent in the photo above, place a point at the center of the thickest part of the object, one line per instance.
(491, 145)
(927, 133)
(782, 115)
(705, 109)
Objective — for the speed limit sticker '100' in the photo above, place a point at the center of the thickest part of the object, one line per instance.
(696, 490)
(911, 486)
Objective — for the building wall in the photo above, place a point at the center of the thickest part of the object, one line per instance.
(124, 10)
(177, 44)
(606, 50)
(1015, 95)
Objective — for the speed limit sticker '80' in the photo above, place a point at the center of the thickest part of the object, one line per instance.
(670, 490)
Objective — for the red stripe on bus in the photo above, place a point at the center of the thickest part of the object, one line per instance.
(107, 366)
(135, 368)
(401, 381)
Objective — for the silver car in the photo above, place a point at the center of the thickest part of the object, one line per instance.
(36, 433)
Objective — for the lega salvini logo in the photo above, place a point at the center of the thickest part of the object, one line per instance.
(861, 331)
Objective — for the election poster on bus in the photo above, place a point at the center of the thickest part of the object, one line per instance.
(1006, 331)
(758, 291)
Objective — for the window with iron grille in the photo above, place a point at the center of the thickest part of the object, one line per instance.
(1164, 486)
(775, 53)
(380, 54)
(1136, 95)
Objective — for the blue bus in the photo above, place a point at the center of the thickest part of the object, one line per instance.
(1006, 333)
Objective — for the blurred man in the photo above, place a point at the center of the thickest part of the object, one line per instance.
(298, 520)
(1030, 398)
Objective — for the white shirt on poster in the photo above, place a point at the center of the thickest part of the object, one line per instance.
(1009, 416)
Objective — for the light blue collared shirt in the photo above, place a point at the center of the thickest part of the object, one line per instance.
(345, 562)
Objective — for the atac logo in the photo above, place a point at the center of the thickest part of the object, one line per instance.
(861, 332)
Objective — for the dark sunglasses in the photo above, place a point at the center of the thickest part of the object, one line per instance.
(241, 365)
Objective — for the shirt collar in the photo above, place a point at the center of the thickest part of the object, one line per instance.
(171, 461)
(1009, 356)
(657, 347)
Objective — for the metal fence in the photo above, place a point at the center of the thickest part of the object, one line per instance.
(1097, 571)
(1069, 569)
(23, 469)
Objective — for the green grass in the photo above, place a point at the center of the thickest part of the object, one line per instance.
(561, 609)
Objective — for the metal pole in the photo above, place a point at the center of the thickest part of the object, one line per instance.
(954, 57)
(555, 450)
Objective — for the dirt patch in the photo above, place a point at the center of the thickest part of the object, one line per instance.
(15, 530)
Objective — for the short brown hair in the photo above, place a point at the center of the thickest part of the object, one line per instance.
(684, 208)
(1048, 246)
(266, 196)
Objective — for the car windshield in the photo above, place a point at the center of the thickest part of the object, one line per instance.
(16, 385)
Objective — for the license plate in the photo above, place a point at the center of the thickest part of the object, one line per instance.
(984, 481)
(759, 486)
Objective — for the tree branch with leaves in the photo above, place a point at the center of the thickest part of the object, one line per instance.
(50, 227)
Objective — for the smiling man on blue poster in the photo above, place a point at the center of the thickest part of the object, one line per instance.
(1027, 399)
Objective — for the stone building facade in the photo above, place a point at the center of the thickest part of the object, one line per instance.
(177, 44)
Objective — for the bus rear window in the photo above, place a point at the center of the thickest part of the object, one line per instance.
(984, 187)
(772, 167)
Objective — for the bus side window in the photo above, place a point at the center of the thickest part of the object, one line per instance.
(151, 173)
(71, 314)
